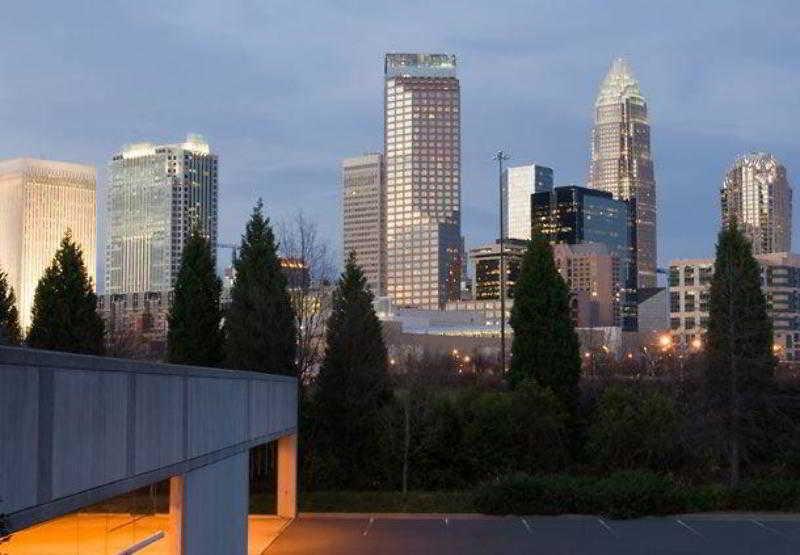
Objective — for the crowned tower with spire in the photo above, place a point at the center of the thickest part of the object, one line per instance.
(621, 160)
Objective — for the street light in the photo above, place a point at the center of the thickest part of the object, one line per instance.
(697, 344)
(501, 156)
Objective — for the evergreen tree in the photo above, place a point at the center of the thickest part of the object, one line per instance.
(10, 332)
(740, 361)
(545, 345)
(195, 334)
(260, 332)
(64, 315)
(352, 388)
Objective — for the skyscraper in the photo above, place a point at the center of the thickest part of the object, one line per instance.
(39, 201)
(519, 183)
(364, 217)
(576, 215)
(422, 141)
(157, 193)
(756, 193)
(621, 161)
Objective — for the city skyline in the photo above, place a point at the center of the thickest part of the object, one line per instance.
(714, 100)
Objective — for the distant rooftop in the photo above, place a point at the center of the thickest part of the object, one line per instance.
(419, 65)
(194, 143)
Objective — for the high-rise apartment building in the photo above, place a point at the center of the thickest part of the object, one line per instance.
(364, 217)
(621, 160)
(156, 195)
(519, 183)
(757, 195)
(689, 297)
(39, 201)
(575, 215)
(422, 141)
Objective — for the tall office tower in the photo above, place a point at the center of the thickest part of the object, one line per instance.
(519, 183)
(364, 217)
(422, 140)
(39, 201)
(621, 161)
(157, 193)
(575, 215)
(756, 193)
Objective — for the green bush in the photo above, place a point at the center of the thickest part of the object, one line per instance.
(621, 495)
(632, 430)
(632, 494)
(541, 495)
(706, 498)
(767, 495)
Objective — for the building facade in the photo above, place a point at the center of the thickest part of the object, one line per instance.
(690, 285)
(591, 271)
(621, 159)
(422, 149)
(519, 183)
(485, 262)
(157, 194)
(364, 217)
(757, 195)
(576, 215)
(41, 200)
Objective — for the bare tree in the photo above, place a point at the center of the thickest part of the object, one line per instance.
(310, 294)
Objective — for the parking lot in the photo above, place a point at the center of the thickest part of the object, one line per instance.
(475, 534)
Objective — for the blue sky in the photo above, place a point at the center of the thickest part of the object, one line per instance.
(284, 90)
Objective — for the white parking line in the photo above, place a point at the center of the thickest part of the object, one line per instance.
(692, 530)
(527, 526)
(767, 528)
(366, 530)
(605, 525)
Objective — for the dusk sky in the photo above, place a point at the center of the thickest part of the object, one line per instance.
(284, 90)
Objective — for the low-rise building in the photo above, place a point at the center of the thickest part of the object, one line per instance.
(689, 295)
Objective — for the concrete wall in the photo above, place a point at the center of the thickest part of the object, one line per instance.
(78, 429)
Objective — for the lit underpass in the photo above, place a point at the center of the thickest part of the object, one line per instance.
(104, 456)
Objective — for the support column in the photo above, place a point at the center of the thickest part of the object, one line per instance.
(175, 515)
(215, 508)
(287, 476)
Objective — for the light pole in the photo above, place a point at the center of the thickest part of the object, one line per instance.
(501, 156)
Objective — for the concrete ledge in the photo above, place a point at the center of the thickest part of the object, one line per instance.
(20, 356)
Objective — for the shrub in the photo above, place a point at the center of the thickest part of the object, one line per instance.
(543, 495)
(631, 431)
(767, 495)
(621, 495)
(632, 494)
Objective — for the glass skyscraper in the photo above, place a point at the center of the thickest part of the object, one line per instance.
(39, 201)
(757, 195)
(577, 215)
(519, 183)
(422, 146)
(621, 160)
(157, 193)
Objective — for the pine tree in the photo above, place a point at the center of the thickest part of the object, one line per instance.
(545, 345)
(195, 333)
(352, 387)
(260, 331)
(740, 361)
(64, 315)
(10, 332)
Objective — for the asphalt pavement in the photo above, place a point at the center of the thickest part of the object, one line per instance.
(728, 534)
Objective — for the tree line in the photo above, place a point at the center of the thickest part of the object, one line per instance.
(365, 428)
